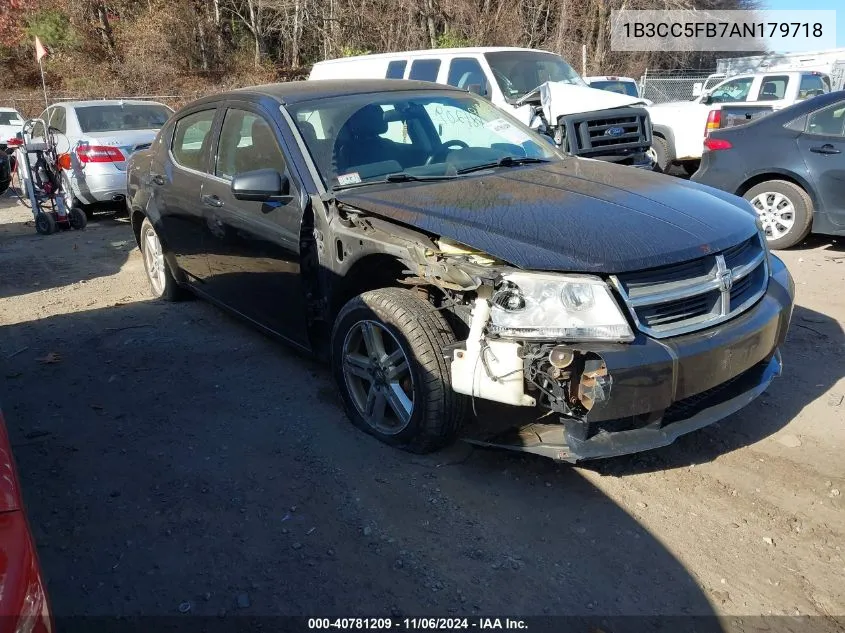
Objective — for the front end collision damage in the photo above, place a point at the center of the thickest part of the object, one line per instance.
(608, 398)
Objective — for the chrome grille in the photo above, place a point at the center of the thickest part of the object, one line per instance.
(693, 295)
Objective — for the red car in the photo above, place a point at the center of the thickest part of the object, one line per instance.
(24, 607)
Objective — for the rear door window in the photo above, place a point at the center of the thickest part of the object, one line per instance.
(425, 69)
(465, 72)
(773, 88)
(191, 138)
(829, 121)
(812, 86)
(396, 69)
(732, 91)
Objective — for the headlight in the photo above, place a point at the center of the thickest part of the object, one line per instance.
(537, 305)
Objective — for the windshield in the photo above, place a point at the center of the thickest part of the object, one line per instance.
(113, 118)
(10, 118)
(622, 87)
(422, 134)
(519, 72)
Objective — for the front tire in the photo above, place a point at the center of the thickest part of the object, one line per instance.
(785, 210)
(387, 359)
(660, 154)
(162, 283)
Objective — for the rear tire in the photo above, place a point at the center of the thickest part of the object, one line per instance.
(785, 209)
(387, 359)
(661, 154)
(162, 283)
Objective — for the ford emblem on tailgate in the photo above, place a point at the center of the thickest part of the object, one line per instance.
(614, 131)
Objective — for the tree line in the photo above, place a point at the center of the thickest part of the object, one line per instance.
(185, 46)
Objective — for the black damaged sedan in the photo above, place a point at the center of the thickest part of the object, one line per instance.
(435, 250)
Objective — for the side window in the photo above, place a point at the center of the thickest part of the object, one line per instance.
(829, 121)
(247, 143)
(59, 120)
(466, 73)
(425, 69)
(734, 90)
(812, 86)
(773, 88)
(38, 130)
(191, 138)
(396, 69)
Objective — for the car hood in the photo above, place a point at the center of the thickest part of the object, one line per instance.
(558, 98)
(575, 215)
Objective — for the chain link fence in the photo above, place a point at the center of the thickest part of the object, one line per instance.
(675, 85)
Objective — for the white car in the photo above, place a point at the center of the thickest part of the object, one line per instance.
(537, 87)
(100, 136)
(681, 126)
(11, 123)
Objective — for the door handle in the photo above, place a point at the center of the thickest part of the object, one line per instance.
(157, 179)
(212, 200)
(827, 148)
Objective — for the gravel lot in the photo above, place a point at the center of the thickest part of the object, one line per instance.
(170, 454)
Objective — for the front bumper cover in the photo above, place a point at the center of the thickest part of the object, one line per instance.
(664, 389)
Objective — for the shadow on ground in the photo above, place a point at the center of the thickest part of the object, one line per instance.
(33, 262)
(174, 455)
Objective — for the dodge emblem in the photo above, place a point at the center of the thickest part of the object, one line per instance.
(726, 280)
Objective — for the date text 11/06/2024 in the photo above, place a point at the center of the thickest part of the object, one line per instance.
(410, 624)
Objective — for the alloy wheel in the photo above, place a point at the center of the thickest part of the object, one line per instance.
(378, 376)
(154, 261)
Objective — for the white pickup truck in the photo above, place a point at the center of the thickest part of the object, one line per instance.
(679, 127)
(537, 87)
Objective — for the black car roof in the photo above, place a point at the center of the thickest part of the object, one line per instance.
(298, 91)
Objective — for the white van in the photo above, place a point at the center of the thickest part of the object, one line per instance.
(537, 87)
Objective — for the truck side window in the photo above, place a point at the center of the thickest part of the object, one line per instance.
(773, 88)
(396, 69)
(812, 86)
(731, 91)
(425, 69)
(465, 73)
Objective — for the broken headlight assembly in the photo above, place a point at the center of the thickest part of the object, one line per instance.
(548, 306)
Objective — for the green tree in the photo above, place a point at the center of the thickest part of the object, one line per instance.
(54, 29)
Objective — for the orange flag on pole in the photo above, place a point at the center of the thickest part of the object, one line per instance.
(40, 50)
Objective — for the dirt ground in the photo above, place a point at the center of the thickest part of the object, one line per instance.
(175, 460)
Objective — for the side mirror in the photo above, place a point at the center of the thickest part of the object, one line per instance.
(697, 89)
(261, 185)
(477, 89)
